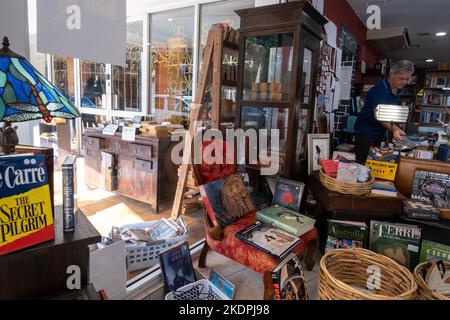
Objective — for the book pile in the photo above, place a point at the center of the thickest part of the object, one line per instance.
(154, 130)
(163, 229)
(437, 278)
(420, 210)
(384, 188)
(191, 201)
(278, 228)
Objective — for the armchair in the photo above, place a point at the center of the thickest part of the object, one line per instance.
(223, 240)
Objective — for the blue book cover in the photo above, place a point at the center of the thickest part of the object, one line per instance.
(288, 194)
(384, 185)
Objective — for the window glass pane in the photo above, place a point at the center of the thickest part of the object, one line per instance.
(172, 36)
(127, 86)
(306, 77)
(268, 67)
(220, 12)
(93, 85)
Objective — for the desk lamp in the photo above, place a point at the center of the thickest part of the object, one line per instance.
(393, 114)
(25, 94)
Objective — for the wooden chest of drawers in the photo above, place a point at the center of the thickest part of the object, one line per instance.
(141, 170)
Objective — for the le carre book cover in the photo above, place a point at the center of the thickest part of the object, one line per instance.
(26, 216)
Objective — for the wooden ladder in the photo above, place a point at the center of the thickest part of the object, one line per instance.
(212, 61)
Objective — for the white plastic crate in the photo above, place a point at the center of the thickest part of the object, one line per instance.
(199, 290)
(146, 255)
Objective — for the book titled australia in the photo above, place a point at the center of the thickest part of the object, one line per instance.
(285, 219)
(288, 193)
(399, 242)
(346, 234)
(26, 215)
(269, 239)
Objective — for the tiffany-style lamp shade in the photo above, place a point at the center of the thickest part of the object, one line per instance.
(25, 94)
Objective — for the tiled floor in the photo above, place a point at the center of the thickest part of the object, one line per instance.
(105, 209)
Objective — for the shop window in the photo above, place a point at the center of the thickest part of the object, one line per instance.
(127, 82)
(93, 85)
(172, 35)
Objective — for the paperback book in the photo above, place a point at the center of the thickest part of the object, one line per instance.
(288, 279)
(384, 188)
(176, 267)
(420, 210)
(285, 219)
(26, 215)
(346, 234)
(399, 242)
(288, 194)
(433, 251)
(273, 241)
(432, 187)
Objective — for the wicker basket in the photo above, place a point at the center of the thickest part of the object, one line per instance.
(423, 292)
(344, 276)
(357, 189)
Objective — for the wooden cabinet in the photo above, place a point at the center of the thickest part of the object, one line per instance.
(280, 45)
(142, 170)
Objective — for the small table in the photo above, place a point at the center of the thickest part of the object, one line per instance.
(41, 271)
(339, 206)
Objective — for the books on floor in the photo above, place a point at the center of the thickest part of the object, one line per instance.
(346, 234)
(288, 279)
(384, 188)
(285, 219)
(399, 242)
(268, 239)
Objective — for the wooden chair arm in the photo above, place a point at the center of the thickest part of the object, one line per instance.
(215, 233)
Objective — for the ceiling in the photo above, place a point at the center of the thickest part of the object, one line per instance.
(420, 17)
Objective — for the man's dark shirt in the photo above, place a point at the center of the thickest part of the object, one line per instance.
(366, 124)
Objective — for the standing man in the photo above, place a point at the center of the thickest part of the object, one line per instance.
(369, 131)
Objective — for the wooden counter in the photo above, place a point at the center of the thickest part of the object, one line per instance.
(141, 170)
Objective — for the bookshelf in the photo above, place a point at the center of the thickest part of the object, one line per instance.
(435, 104)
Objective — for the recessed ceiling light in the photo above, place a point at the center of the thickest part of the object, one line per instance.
(429, 60)
(441, 34)
(170, 19)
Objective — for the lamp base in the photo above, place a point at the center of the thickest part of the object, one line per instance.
(8, 139)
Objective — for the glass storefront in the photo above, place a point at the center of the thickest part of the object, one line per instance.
(172, 52)
(127, 82)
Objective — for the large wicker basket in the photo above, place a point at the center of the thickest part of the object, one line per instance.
(344, 276)
(358, 189)
(423, 292)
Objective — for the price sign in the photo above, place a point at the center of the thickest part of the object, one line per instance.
(110, 129)
(129, 134)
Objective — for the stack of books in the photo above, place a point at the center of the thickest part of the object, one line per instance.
(384, 188)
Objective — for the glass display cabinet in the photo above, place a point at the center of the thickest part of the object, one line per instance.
(279, 48)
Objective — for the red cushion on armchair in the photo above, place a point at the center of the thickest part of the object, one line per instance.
(246, 254)
(215, 171)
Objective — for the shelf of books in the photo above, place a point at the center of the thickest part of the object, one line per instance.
(434, 112)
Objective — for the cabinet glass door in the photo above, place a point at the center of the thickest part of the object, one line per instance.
(268, 118)
(268, 67)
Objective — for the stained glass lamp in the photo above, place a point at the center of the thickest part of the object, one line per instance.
(25, 94)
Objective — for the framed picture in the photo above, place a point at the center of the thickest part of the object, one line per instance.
(318, 149)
